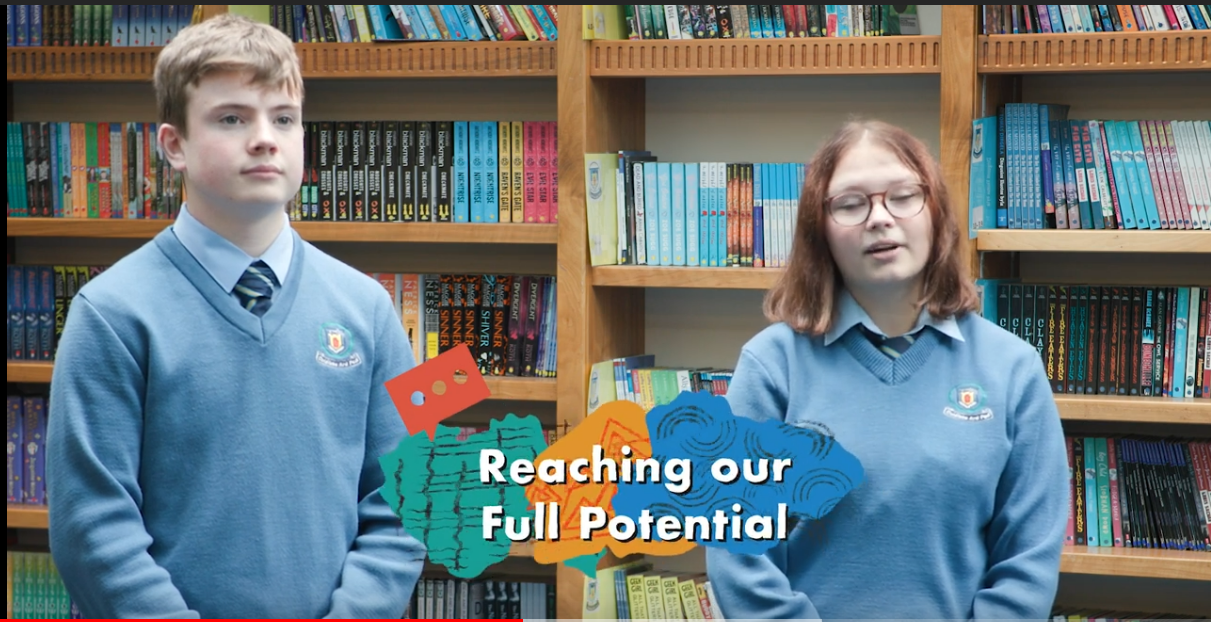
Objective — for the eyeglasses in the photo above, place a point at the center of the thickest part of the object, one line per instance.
(853, 208)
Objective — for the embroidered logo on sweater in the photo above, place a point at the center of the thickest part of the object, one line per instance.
(967, 404)
(337, 347)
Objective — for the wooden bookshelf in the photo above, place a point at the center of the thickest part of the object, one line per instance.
(701, 278)
(662, 58)
(501, 388)
(27, 516)
(34, 372)
(431, 232)
(428, 59)
(1186, 50)
(1142, 563)
(1134, 409)
(1091, 241)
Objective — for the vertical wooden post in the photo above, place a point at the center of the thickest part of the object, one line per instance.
(594, 323)
(958, 103)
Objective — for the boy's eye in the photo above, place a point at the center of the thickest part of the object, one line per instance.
(286, 120)
(229, 118)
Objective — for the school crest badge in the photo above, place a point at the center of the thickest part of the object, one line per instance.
(337, 348)
(968, 403)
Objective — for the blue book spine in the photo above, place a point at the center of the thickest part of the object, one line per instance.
(46, 316)
(720, 193)
(692, 215)
(12, 30)
(454, 25)
(1040, 167)
(1091, 504)
(1178, 387)
(32, 285)
(35, 25)
(56, 197)
(981, 202)
(491, 171)
(651, 213)
(469, 23)
(1002, 189)
(1011, 165)
(711, 222)
(677, 180)
(1196, 17)
(462, 174)
(1121, 185)
(1130, 172)
(22, 27)
(475, 148)
(119, 34)
(664, 179)
(426, 18)
(16, 434)
(16, 313)
(1144, 175)
(419, 32)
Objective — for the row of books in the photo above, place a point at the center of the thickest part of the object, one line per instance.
(39, 298)
(430, 171)
(27, 449)
(90, 170)
(718, 214)
(508, 322)
(1006, 19)
(1138, 492)
(336, 23)
(444, 598)
(35, 589)
(637, 379)
(635, 590)
(1109, 339)
(753, 21)
(119, 25)
(1034, 168)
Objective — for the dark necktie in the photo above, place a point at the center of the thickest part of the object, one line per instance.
(255, 288)
(893, 347)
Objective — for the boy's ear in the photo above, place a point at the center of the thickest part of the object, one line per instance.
(172, 145)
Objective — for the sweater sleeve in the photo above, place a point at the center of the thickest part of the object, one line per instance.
(385, 561)
(1026, 534)
(94, 433)
(756, 586)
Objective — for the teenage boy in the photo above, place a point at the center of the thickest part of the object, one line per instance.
(217, 410)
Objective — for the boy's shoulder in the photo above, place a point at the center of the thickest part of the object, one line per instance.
(336, 273)
(134, 283)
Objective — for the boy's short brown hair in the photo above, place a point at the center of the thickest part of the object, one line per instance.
(226, 42)
(807, 290)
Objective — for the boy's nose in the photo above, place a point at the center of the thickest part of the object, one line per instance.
(263, 138)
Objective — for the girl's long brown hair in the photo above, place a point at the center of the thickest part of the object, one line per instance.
(804, 295)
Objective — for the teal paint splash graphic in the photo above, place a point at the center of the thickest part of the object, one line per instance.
(701, 428)
(434, 488)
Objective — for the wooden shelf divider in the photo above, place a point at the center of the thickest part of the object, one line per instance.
(660, 58)
(1184, 50)
(432, 232)
(1095, 241)
(428, 59)
(500, 387)
(1132, 562)
(693, 278)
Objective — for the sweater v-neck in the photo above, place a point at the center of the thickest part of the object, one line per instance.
(890, 371)
(260, 329)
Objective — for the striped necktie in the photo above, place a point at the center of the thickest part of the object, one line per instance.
(255, 288)
(893, 347)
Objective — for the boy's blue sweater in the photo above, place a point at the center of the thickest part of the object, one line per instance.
(203, 461)
(965, 502)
